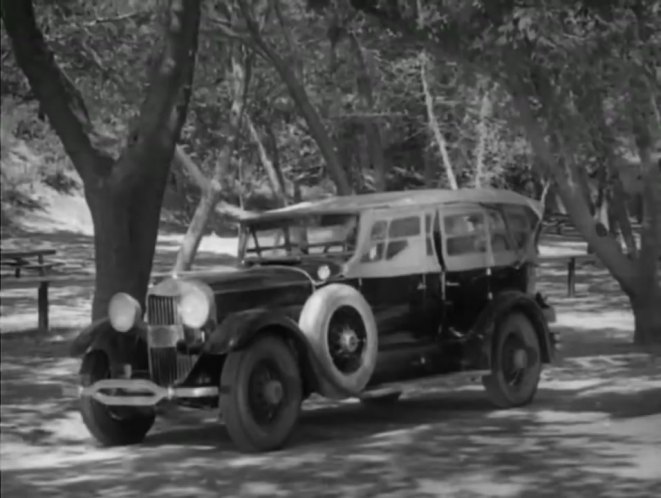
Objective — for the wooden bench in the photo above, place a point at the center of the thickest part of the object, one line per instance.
(571, 260)
(30, 261)
(557, 222)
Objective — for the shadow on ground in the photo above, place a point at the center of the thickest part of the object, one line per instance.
(592, 431)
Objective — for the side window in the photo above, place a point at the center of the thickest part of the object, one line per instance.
(500, 241)
(520, 224)
(465, 233)
(400, 230)
(379, 230)
(404, 227)
(377, 242)
(387, 240)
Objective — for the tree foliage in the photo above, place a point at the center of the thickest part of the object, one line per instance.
(522, 95)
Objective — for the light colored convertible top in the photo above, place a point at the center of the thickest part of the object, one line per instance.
(387, 200)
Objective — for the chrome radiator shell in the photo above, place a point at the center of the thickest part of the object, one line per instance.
(167, 366)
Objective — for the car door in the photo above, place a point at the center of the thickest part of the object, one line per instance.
(391, 271)
(466, 255)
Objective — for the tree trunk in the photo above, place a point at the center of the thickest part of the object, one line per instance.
(317, 130)
(638, 278)
(273, 172)
(370, 126)
(482, 130)
(434, 126)
(211, 188)
(571, 190)
(122, 244)
(620, 214)
(124, 195)
(196, 228)
(646, 131)
(300, 97)
(647, 315)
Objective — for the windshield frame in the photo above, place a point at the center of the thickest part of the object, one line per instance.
(348, 222)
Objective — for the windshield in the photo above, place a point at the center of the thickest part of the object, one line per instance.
(296, 237)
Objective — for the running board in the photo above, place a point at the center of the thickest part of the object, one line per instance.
(455, 379)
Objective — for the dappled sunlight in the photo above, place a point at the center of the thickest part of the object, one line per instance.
(592, 429)
(433, 442)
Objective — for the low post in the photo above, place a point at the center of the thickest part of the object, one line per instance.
(42, 306)
(571, 277)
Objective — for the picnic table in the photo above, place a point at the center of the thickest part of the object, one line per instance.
(571, 261)
(29, 268)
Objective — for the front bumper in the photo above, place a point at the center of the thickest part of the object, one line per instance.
(137, 392)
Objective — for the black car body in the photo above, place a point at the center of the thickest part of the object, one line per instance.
(345, 297)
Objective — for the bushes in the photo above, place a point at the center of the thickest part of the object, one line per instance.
(31, 156)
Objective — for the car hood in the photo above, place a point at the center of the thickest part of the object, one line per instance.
(235, 290)
(234, 280)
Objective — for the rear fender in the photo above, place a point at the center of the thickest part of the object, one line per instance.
(484, 330)
(238, 330)
(121, 348)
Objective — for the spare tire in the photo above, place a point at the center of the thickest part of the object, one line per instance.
(341, 331)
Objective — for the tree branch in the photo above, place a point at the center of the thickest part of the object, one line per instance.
(226, 30)
(185, 162)
(572, 195)
(58, 97)
(482, 129)
(370, 126)
(232, 212)
(141, 14)
(274, 175)
(299, 95)
(434, 125)
(163, 111)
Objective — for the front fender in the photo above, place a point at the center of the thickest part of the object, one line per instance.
(484, 330)
(239, 329)
(120, 347)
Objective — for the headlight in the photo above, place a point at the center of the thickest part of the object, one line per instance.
(124, 312)
(196, 305)
(323, 272)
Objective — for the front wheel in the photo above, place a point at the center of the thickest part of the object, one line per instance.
(111, 426)
(261, 394)
(516, 363)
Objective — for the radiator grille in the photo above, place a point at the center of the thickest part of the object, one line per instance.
(162, 310)
(168, 366)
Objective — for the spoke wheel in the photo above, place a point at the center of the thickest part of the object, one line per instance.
(261, 394)
(347, 339)
(341, 330)
(516, 363)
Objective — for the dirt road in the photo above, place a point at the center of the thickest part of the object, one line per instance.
(594, 430)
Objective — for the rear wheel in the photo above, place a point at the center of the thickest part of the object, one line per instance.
(261, 394)
(516, 363)
(111, 426)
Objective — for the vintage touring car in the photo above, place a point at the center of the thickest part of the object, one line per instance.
(344, 297)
